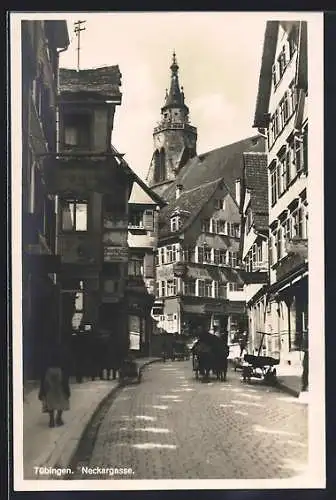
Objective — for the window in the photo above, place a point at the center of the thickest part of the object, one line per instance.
(215, 289)
(135, 267)
(218, 204)
(259, 253)
(189, 287)
(136, 220)
(292, 42)
(274, 75)
(200, 254)
(234, 229)
(236, 287)
(207, 254)
(283, 179)
(222, 291)
(288, 229)
(171, 253)
(201, 288)
(221, 226)
(279, 243)
(161, 255)
(175, 224)
(206, 226)
(249, 220)
(208, 288)
(171, 287)
(232, 259)
(254, 254)
(148, 220)
(77, 130)
(74, 215)
(185, 255)
(282, 61)
(301, 223)
(219, 256)
(163, 289)
(298, 151)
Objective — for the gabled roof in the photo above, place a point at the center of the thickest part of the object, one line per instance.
(145, 189)
(265, 77)
(267, 61)
(255, 179)
(104, 81)
(221, 163)
(189, 203)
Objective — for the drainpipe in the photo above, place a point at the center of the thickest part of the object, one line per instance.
(56, 197)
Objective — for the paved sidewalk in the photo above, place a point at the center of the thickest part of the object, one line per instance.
(45, 447)
(289, 379)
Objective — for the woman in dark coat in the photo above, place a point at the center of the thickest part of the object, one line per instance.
(54, 387)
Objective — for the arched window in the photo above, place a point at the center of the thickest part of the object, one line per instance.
(159, 166)
(156, 166)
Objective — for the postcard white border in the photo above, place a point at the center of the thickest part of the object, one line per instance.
(315, 476)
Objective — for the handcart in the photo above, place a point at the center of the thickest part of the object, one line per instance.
(261, 367)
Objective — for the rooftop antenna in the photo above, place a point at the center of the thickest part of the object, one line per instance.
(78, 30)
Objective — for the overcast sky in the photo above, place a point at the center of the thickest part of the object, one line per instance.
(219, 56)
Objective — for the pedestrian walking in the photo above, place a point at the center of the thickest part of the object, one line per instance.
(54, 387)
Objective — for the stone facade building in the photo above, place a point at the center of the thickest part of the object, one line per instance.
(282, 114)
(93, 184)
(41, 43)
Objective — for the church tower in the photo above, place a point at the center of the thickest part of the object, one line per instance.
(174, 137)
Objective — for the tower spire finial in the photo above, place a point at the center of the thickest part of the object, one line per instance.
(174, 66)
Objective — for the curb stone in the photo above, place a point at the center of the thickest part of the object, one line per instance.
(98, 408)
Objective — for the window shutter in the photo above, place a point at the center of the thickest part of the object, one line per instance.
(149, 266)
(148, 220)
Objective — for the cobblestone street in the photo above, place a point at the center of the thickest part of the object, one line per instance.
(172, 426)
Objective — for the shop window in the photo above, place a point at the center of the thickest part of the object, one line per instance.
(74, 215)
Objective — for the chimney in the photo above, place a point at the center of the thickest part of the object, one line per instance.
(238, 192)
(179, 189)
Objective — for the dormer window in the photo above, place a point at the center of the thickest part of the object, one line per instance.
(175, 223)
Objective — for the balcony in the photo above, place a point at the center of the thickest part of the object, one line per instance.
(174, 126)
(297, 256)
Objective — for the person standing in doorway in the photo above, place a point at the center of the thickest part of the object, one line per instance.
(54, 386)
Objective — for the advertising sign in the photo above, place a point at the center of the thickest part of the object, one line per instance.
(115, 254)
